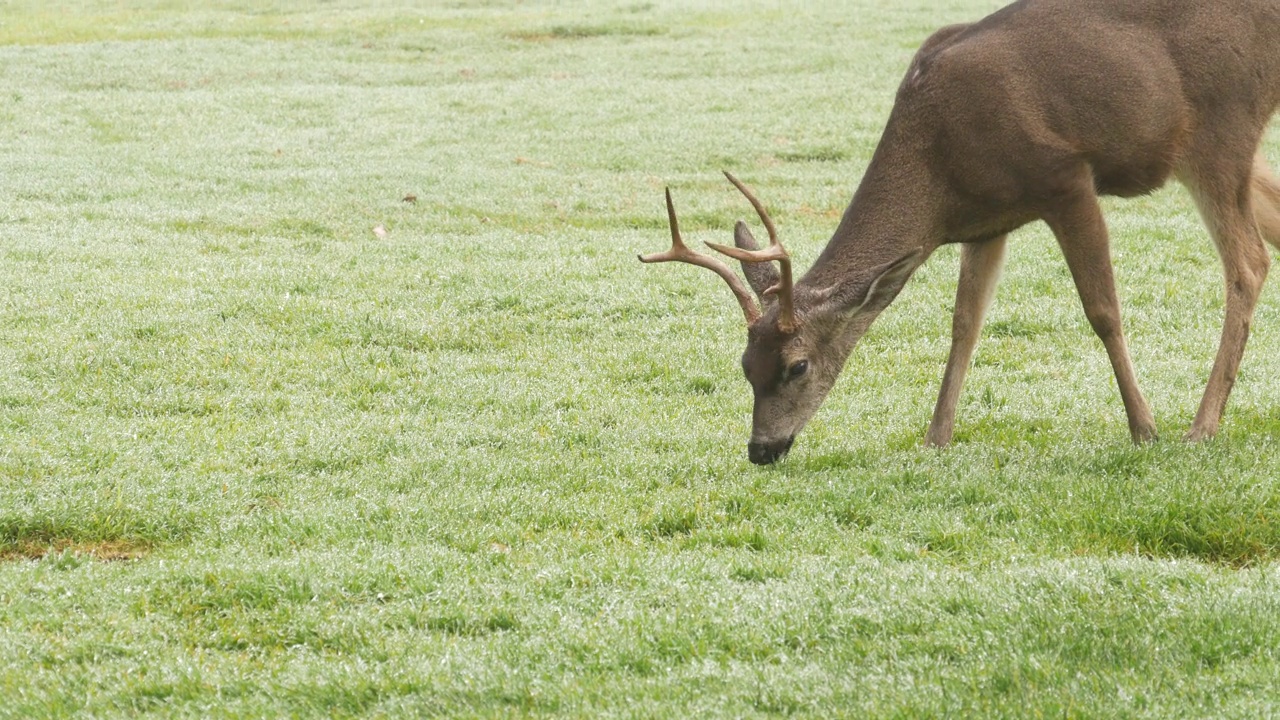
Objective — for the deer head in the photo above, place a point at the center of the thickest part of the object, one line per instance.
(798, 337)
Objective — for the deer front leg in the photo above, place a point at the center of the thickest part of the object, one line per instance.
(1238, 234)
(980, 265)
(1076, 221)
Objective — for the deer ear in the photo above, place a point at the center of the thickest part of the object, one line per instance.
(888, 282)
(761, 276)
(885, 284)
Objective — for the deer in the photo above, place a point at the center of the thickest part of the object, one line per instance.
(1029, 114)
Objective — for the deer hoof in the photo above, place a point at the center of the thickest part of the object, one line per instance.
(1144, 435)
(937, 442)
(1198, 434)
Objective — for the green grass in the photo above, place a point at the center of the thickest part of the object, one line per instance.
(257, 460)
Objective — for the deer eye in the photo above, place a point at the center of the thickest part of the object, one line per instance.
(797, 369)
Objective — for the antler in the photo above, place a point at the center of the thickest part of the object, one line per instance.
(679, 252)
(775, 251)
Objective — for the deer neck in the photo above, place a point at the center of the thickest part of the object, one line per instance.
(895, 212)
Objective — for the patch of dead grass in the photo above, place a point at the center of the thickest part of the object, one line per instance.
(104, 550)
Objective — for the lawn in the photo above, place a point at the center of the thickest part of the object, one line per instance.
(330, 385)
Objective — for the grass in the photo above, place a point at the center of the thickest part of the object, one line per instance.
(257, 460)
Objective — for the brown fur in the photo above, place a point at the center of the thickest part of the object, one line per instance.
(1266, 202)
(1030, 114)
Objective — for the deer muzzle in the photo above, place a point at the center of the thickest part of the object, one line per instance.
(769, 453)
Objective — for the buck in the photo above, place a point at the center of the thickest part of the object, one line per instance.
(1029, 114)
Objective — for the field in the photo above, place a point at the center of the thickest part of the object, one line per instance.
(330, 386)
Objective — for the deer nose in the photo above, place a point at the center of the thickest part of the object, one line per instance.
(768, 453)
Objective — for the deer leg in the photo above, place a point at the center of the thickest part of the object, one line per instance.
(980, 265)
(1237, 226)
(1077, 224)
(1266, 201)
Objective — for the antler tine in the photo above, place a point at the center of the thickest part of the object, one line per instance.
(784, 289)
(679, 252)
(755, 203)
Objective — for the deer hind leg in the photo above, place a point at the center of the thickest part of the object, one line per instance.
(1226, 199)
(1076, 221)
(980, 265)
(1266, 201)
